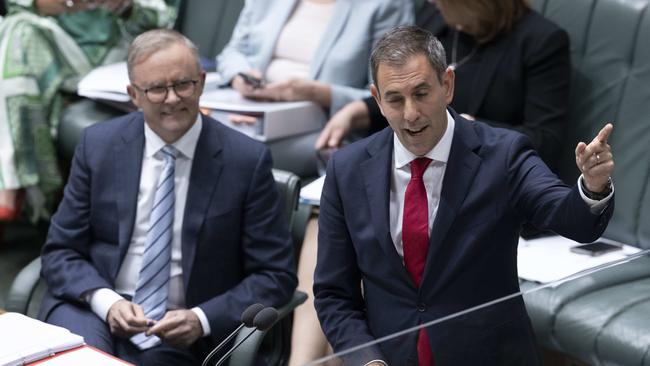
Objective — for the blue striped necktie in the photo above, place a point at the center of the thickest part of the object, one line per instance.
(151, 290)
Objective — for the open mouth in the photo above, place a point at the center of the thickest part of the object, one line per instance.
(416, 132)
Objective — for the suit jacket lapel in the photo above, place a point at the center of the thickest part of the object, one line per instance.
(206, 169)
(127, 167)
(336, 25)
(376, 172)
(462, 165)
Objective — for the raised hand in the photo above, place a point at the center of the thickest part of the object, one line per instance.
(595, 160)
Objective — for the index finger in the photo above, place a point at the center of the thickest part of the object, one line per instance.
(604, 133)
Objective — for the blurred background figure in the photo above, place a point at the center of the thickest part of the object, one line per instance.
(315, 50)
(46, 46)
(512, 70)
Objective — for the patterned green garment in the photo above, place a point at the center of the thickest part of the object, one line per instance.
(39, 58)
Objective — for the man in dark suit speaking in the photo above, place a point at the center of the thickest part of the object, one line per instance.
(171, 224)
(421, 220)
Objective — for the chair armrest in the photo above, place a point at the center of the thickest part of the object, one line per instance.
(246, 353)
(23, 287)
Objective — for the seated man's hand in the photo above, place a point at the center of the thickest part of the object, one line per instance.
(126, 319)
(178, 328)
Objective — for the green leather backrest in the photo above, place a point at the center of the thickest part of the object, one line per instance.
(610, 53)
(209, 23)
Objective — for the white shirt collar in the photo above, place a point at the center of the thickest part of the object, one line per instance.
(440, 152)
(185, 145)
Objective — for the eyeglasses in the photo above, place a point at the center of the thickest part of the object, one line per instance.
(158, 94)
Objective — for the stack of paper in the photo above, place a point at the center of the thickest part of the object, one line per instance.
(310, 194)
(550, 259)
(274, 119)
(23, 339)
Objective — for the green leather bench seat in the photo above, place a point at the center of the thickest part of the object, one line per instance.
(604, 318)
(587, 324)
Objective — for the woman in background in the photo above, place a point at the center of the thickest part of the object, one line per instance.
(46, 46)
(315, 50)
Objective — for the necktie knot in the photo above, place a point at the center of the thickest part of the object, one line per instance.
(418, 166)
(169, 152)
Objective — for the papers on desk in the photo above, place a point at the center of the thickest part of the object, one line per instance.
(310, 194)
(82, 356)
(274, 119)
(24, 339)
(549, 259)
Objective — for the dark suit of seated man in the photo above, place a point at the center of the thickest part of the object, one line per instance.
(171, 224)
(426, 215)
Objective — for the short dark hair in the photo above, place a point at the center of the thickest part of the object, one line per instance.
(401, 43)
(148, 43)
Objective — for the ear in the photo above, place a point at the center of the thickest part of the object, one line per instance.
(448, 79)
(134, 96)
(375, 94)
(201, 82)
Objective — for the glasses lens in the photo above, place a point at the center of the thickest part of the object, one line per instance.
(184, 89)
(156, 94)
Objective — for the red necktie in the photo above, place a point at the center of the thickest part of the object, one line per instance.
(415, 239)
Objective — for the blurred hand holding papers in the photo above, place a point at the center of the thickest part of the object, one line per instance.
(275, 119)
(23, 339)
(549, 259)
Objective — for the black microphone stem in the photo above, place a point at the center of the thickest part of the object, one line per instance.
(223, 343)
(225, 357)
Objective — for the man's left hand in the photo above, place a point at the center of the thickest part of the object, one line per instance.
(178, 328)
(596, 161)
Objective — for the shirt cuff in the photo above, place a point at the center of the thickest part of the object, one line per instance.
(596, 207)
(101, 300)
(203, 319)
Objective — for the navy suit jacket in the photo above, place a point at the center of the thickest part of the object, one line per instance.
(236, 248)
(493, 182)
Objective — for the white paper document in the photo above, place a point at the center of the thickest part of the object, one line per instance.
(23, 339)
(549, 259)
(310, 194)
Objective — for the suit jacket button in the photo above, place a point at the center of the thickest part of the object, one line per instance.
(422, 307)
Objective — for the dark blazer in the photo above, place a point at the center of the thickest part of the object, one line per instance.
(236, 249)
(493, 182)
(519, 80)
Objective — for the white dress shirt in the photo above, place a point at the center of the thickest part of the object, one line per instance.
(101, 300)
(433, 180)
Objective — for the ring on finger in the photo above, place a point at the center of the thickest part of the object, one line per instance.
(597, 159)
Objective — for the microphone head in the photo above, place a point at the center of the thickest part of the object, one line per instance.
(265, 318)
(248, 316)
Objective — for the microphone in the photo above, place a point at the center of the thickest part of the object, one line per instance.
(263, 321)
(247, 320)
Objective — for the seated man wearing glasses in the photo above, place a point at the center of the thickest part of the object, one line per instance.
(170, 225)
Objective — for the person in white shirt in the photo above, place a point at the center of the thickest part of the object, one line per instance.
(171, 224)
(421, 220)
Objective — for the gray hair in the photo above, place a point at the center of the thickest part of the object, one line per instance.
(148, 43)
(401, 43)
